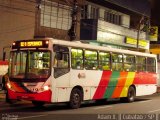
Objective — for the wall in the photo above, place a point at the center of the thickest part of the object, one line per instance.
(55, 19)
(17, 21)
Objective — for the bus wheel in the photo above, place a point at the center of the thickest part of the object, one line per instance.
(75, 99)
(130, 96)
(38, 103)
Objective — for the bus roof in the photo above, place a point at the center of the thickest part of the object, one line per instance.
(79, 44)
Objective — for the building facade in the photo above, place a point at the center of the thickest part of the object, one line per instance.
(116, 23)
(17, 22)
(113, 23)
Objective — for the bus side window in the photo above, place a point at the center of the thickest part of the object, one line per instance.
(141, 63)
(117, 62)
(104, 61)
(91, 60)
(76, 58)
(61, 60)
(129, 63)
(151, 64)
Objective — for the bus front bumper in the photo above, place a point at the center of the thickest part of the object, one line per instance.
(42, 96)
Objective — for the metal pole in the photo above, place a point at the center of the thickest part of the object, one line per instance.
(37, 18)
(72, 30)
(138, 32)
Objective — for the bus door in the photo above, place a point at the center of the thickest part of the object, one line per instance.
(61, 72)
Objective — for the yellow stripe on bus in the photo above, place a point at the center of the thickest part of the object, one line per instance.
(129, 81)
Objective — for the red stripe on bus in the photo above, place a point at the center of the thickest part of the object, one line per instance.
(145, 78)
(3, 62)
(120, 85)
(102, 84)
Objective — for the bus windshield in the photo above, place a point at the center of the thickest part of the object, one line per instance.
(30, 64)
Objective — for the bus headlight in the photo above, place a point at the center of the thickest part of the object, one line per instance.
(9, 85)
(46, 87)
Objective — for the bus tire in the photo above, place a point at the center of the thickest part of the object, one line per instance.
(130, 95)
(75, 98)
(38, 103)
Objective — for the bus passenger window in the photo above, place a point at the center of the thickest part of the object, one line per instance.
(129, 63)
(141, 63)
(77, 58)
(151, 64)
(117, 62)
(104, 61)
(91, 61)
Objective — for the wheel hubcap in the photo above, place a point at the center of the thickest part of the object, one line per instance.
(76, 99)
(131, 95)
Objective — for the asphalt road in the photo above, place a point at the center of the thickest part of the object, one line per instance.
(144, 108)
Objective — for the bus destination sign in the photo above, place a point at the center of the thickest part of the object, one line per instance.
(31, 44)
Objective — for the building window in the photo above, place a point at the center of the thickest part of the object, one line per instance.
(84, 12)
(112, 17)
(94, 12)
(55, 15)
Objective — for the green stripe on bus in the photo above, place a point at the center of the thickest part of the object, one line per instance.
(112, 84)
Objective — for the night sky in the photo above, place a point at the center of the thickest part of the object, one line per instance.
(155, 12)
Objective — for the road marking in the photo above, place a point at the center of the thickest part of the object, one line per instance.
(31, 117)
(154, 111)
(145, 101)
(102, 107)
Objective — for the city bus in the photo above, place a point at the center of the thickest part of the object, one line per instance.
(47, 70)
